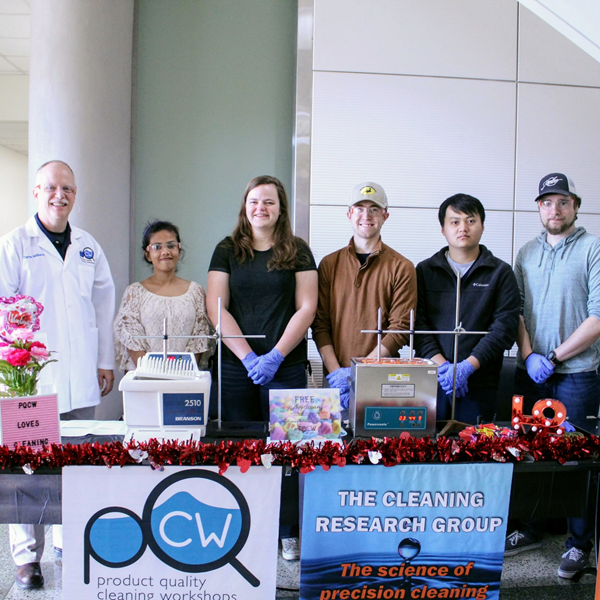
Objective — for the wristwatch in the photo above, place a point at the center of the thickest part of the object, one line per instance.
(551, 356)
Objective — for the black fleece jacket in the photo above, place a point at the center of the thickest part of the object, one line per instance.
(489, 301)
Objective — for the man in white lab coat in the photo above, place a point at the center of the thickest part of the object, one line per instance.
(64, 269)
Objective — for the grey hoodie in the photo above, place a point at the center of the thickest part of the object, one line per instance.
(560, 288)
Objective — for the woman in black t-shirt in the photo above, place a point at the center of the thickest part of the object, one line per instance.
(267, 281)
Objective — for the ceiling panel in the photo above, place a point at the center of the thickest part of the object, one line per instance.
(14, 37)
(14, 26)
(14, 60)
(14, 46)
(14, 7)
(20, 62)
(7, 67)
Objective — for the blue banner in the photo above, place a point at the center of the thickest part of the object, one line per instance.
(409, 531)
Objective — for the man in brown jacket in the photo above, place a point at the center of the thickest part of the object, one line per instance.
(353, 283)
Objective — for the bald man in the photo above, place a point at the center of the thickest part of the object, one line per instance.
(63, 268)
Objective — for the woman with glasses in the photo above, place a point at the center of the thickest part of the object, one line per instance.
(145, 305)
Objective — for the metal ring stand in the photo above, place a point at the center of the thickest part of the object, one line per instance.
(452, 424)
(218, 336)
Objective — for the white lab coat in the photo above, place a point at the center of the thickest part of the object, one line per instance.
(78, 295)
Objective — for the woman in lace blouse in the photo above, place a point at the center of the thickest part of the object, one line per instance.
(163, 294)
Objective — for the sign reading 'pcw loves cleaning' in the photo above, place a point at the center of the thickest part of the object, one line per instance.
(30, 421)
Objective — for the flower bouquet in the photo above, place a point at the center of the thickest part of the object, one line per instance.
(21, 358)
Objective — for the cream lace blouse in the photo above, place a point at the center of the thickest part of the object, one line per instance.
(142, 313)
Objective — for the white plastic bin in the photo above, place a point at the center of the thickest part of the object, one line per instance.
(165, 408)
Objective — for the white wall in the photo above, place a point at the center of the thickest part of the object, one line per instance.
(434, 98)
(13, 198)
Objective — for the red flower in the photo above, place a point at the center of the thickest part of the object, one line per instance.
(37, 345)
(18, 357)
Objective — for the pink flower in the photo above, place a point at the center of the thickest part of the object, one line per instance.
(4, 351)
(39, 351)
(18, 357)
(23, 334)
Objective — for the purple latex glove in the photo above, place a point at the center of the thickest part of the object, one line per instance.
(461, 391)
(265, 367)
(464, 369)
(339, 379)
(539, 368)
(344, 399)
(445, 371)
(249, 360)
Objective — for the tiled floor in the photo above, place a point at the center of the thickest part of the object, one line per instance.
(51, 568)
(529, 576)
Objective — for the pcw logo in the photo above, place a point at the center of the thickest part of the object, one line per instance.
(180, 523)
(87, 255)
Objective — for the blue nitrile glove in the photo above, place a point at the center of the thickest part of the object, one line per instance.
(461, 391)
(539, 368)
(443, 368)
(265, 367)
(249, 360)
(464, 369)
(339, 379)
(445, 372)
(344, 399)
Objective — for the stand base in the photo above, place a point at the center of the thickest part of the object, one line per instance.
(446, 428)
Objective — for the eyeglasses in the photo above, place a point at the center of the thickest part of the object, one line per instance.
(51, 189)
(158, 247)
(560, 204)
(371, 210)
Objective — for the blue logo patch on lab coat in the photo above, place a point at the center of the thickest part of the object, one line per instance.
(87, 255)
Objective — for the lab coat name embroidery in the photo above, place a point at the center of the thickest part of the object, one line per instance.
(33, 255)
(87, 255)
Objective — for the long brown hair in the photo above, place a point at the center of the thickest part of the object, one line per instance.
(285, 244)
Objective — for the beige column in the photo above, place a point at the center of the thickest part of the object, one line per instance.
(80, 112)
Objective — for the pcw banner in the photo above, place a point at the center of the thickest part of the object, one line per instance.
(185, 533)
(409, 531)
